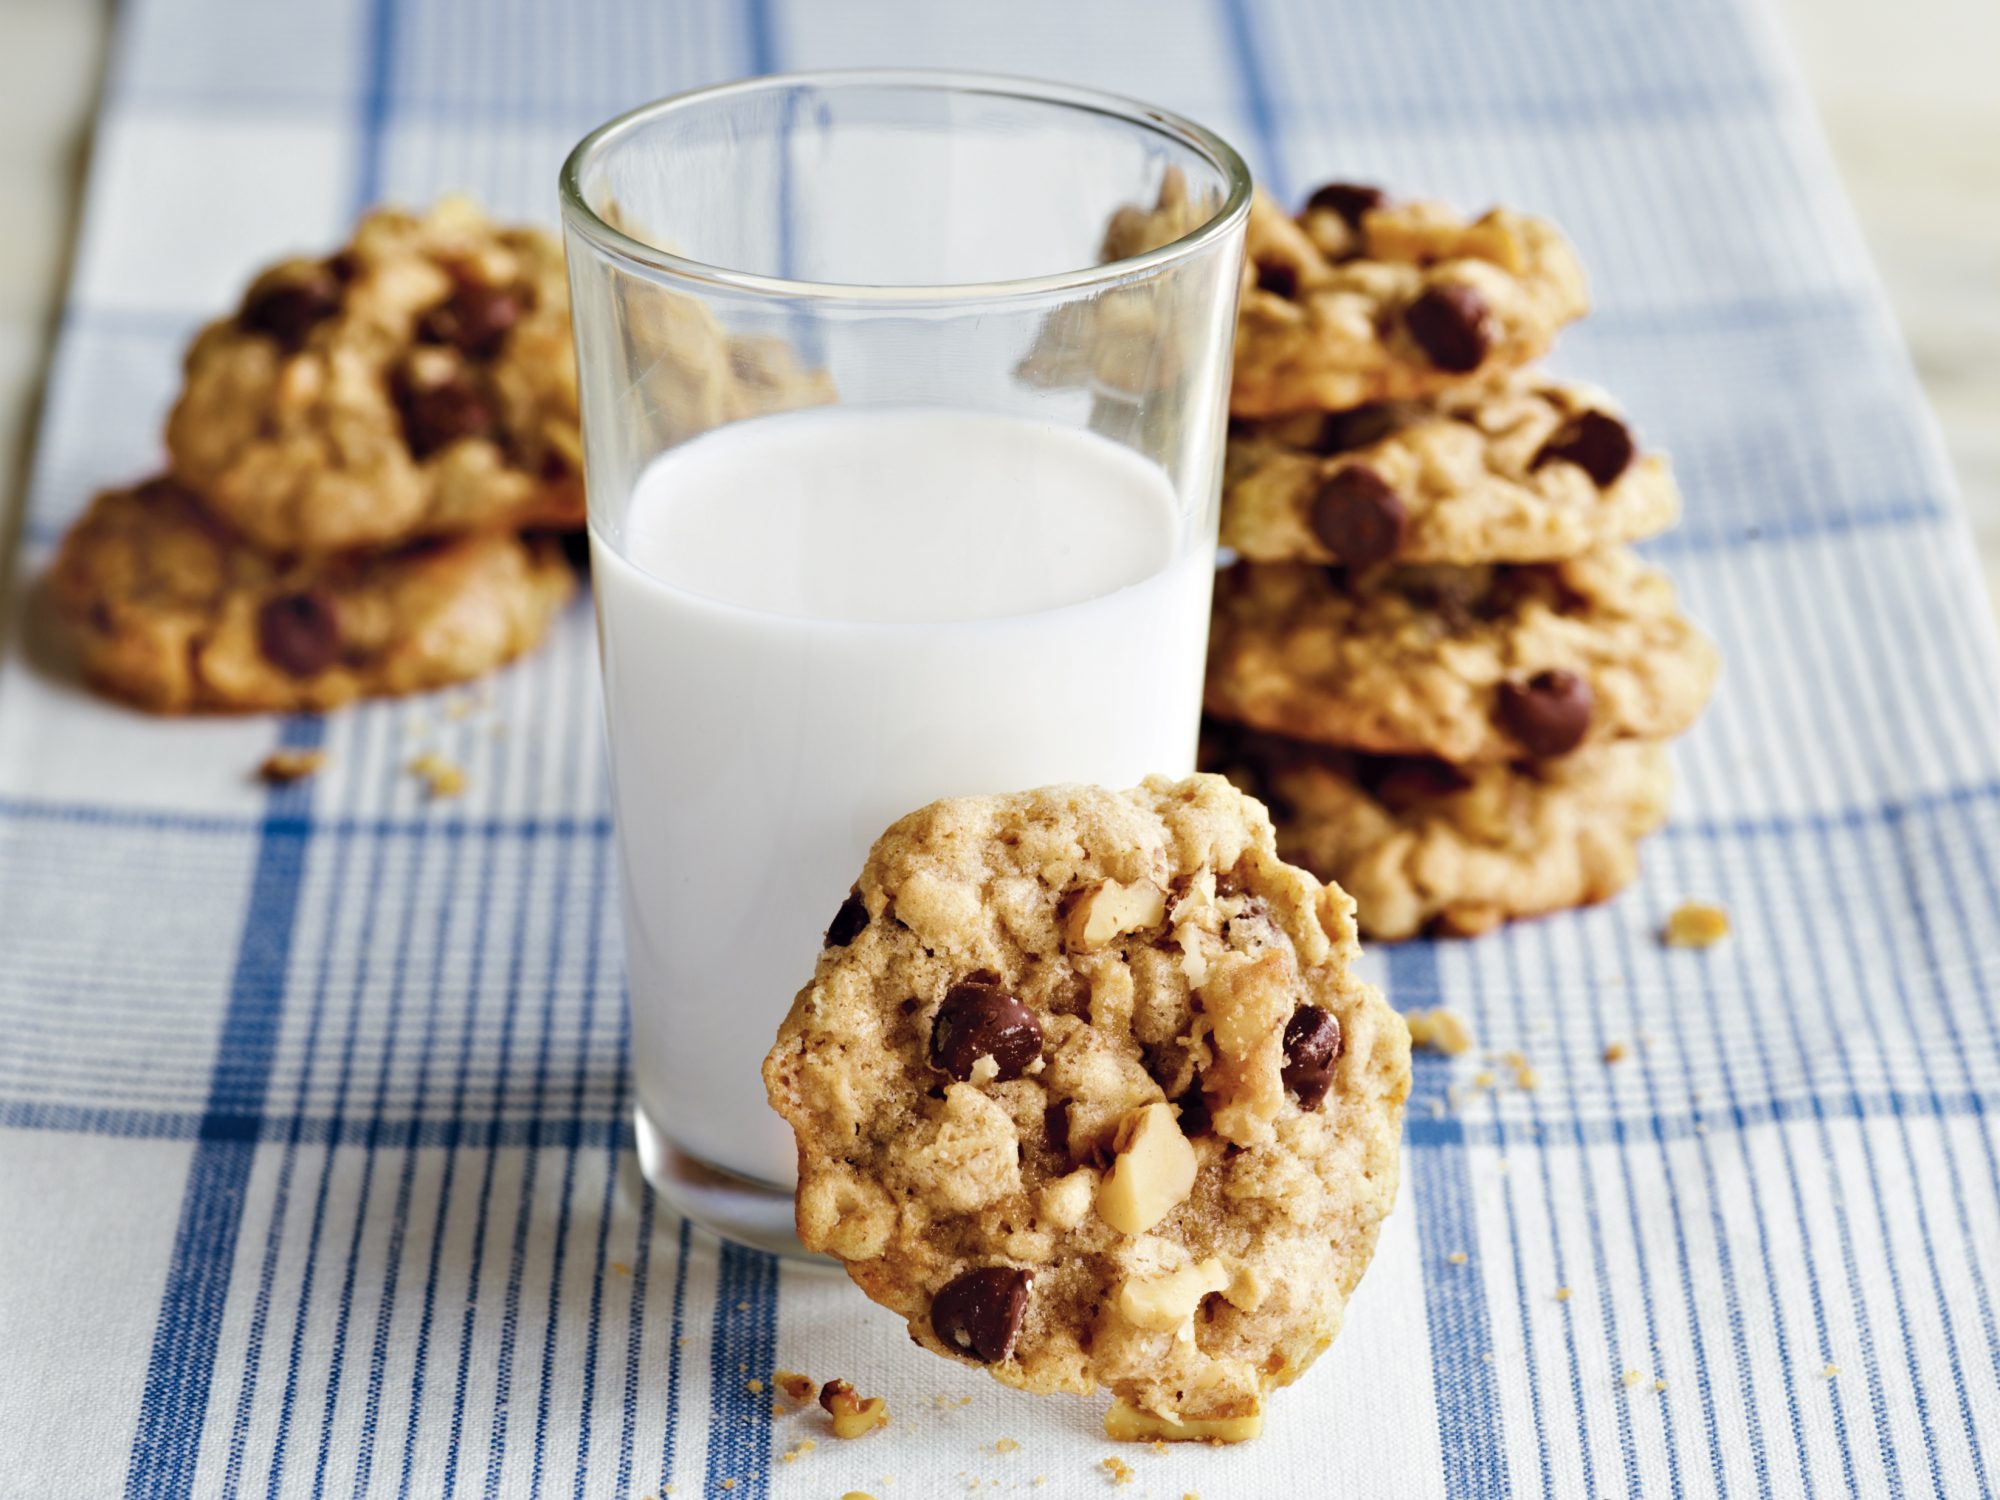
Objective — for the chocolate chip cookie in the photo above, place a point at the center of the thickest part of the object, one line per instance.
(1086, 1089)
(174, 613)
(1528, 469)
(419, 382)
(1468, 664)
(1426, 846)
(1362, 299)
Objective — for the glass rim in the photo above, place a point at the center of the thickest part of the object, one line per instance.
(608, 239)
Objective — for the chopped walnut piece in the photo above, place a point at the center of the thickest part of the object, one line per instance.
(853, 1415)
(1126, 1423)
(1695, 925)
(283, 767)
(1440, 1030)
(1153, 1172)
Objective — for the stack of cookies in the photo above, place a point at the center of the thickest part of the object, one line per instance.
(1436, 658)
(370, 463)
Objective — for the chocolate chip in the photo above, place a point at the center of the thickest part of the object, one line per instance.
(1453, 325)
(288, 310)
(848, 922)
(980, 1312)
(300, 633)
(1596, 442)
(474, 320)
(1312, 1047)
(979, 1019)
(1549, 713)
(1342, 431)
(1348, 199)
(436, 416)
(1279, 279)
(1357, 515)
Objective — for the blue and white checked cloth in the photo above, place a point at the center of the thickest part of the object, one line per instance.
(315, 1176)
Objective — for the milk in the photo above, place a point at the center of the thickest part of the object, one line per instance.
(813, 623)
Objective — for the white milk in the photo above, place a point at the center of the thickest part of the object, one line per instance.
(819, 621)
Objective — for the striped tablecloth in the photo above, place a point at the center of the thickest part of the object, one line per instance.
(315, 1176)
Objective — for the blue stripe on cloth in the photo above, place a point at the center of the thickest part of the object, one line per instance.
(670, 1428)
(1268, 152)
(1468, 1401)
(745, 1347)
(174, 1404)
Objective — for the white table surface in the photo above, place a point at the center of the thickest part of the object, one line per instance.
(1906, 92)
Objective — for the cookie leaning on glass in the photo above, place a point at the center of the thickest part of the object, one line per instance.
(1086, 1089)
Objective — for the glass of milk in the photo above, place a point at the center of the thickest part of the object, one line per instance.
(899, 489)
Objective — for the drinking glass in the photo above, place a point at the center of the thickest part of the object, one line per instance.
(903, 407)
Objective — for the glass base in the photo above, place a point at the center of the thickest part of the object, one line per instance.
(737, 1208)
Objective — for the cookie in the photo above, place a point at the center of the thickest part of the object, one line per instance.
(173, 613)
(1425, 846)
(1361, 299)
(1525, 470)
(698, 376)
(1468, 664)
(1086, 1089)
(420, 382)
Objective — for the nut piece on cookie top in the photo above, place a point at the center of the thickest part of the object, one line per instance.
(1365, 298)
(1086, 1089)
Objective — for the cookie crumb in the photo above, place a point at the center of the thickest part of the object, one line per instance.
(1696, 925)
(1632, 1378)
(853, 1415)
(1562, 1294)
(1458, 1257)
(857, 1495)
(796, 1387)
(620, 1268)
(1120, 1471)
(729, 1484)
(283, 767)
(1614, 1052)
(1006, 1445)
(1829, 1370)
(1483, 1079)
(1525, 1077)
(1440, 1030)
(754, 1386)
(1659, 1385)
(440, 777)
(797, 1451)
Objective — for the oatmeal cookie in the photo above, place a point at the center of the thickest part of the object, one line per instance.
(1362, 299)
(173, 613)
(419, 382)
(1526, 470)
(1086, 1089)
(1469, 664)
(1426, 846)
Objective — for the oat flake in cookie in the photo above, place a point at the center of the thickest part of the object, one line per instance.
(1085, 1089)
(419, 382)
(173, 613)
